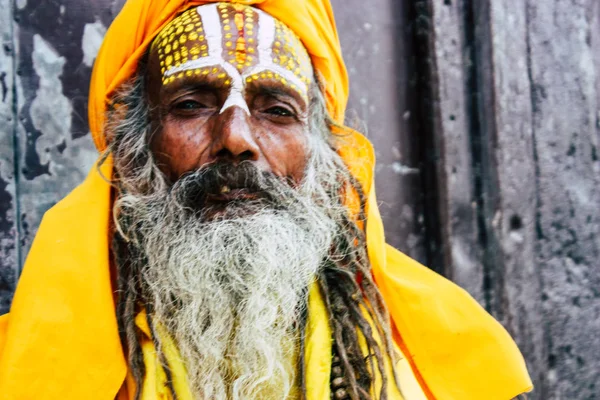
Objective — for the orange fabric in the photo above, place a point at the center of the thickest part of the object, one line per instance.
(61, 339)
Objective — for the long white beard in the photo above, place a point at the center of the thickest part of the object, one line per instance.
(229, 292)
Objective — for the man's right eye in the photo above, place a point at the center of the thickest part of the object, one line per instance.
(188, 105)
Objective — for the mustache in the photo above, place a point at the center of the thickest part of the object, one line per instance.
(195, 190)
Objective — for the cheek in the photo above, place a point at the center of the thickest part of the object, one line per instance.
(178, 146)
(299, 157)
(286, 151)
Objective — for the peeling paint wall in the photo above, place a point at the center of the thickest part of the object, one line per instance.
(9, 236)
(56, 43)
(48, 49)
(486, 122)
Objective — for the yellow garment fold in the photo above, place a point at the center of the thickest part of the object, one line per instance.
(317, 357)
(61, 339)
(155, 385)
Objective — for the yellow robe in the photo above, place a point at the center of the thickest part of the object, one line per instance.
(317, 356)
(60, 340)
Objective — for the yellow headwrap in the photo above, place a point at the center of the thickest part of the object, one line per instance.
(60, 340)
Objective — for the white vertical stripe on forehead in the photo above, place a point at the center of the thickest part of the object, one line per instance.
(212, 30)
(266, 37)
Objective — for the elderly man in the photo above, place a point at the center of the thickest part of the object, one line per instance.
(247, 259)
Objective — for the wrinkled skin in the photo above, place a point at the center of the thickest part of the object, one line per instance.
(192, 128)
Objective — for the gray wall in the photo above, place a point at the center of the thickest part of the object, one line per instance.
(486, 123)
(515, 116)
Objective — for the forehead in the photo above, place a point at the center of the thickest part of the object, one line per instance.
(232, 39)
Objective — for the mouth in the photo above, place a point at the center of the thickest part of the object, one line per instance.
(228, 194)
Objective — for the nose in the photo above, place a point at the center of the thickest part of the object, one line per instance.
(234, 140)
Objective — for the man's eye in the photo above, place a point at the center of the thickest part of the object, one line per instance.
(279, 111)
(189, 105)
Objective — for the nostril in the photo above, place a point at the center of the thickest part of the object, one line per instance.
(246, 155)
(228, 155)
(224, 154)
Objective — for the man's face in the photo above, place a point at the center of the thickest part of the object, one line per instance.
(228, 83)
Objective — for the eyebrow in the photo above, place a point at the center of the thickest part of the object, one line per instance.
(192, 84)
(278, 93)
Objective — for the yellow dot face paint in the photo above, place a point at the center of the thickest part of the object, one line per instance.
(237, 44)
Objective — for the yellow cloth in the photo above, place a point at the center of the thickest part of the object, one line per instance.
(318, 363)
(60, 340)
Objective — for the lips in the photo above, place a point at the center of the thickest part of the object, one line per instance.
(227, 194)
(218, 185)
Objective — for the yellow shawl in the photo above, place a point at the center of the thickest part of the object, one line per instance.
(60, 340)
(317, 357)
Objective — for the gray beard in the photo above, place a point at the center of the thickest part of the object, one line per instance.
(230, 290)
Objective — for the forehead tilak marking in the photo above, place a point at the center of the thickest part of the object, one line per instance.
(266, 41)
(182, 39)
(214, 58)
(213, 24)
(241, 50)
(280, 54)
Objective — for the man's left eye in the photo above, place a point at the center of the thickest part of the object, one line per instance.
(279, 111)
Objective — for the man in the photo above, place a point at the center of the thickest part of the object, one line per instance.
(246, 256)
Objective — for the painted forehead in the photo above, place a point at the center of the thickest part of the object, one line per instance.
(232, 42)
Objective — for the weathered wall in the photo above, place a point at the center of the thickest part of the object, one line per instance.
(486, 122)
(377, 42)
(48, 50)
(514, 100)
(9, 238)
